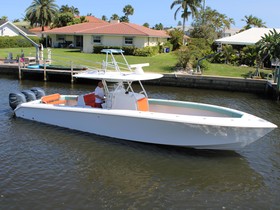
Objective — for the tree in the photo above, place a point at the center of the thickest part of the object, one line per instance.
(41, 12)
(115, 17)
(128, 10)
(189, 7)
(63, 19)
(210, 24)
(146, 25)
(269, 46)
(4, 18)
(104, 18)
(253, 21)
(176, 38)
(124, 19)
(158, 26)
(72, 9)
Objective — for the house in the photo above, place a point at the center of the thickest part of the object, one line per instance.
(102, 33)
(247, 37)
(7, 28)
(225, 33)
(38, 30)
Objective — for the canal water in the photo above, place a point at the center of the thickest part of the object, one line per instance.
(46, 167)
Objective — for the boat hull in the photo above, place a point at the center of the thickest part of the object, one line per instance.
(147, 127)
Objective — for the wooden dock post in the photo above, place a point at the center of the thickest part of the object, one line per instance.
(72, 79)
(19, 70)
(45, 71)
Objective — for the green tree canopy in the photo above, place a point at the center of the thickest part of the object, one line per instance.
(253, 21)
(128, 10)
(41, 12)
(187, 7)
(210, 24)
(72, 9)
(269, 45)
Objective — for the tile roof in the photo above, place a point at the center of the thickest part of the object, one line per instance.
(39, 29)
(100, 28)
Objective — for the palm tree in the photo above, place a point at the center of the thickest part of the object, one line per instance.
(128, 10)
(41, 12)
(75, 10)
(115, 17)
(253, 21)
(66, 8)
(189, 7)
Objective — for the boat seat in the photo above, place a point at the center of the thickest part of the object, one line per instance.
(53, 99)
(89, 99)
(142, 104)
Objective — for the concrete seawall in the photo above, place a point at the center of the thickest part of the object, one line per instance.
(212, 82)
(178, 80)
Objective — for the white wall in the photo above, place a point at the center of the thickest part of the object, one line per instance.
(117, 41)
(8, 30)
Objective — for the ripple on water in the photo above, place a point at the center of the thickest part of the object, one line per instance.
(54, 168)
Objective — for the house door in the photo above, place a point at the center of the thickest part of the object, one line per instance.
(79, 41)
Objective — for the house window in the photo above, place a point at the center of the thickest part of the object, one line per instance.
(128, 41)
(96, 39)
(61, 38)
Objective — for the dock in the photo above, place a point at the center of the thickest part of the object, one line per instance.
(259, 86)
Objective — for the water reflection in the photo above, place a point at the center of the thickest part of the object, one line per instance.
(48, 167)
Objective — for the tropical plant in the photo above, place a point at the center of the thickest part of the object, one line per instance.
(146, 25)
(184, 57)
(158, 26)
(269, 46)
(104, 18)
(210, 24)
(72, 9)
(176, 37)
(124, 19)
(4, 18)
(248, 55)
(189, 7)
(62, 19)
(41, 12)
(229, 53)
(128, 10)
(115, 17)
(253, 21)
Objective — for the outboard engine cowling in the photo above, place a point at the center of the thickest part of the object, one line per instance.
(16, 99)
(39, 92)
(29, 95)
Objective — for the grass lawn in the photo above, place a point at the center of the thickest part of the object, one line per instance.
(162, 63)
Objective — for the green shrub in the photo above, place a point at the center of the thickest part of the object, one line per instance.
(147, 51)
(16, 41)
(184, 57)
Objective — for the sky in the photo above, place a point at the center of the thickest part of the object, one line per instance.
(158, 11)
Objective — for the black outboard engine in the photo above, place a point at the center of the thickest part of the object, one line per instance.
(16, 99)
(39, 92)
(29, 95)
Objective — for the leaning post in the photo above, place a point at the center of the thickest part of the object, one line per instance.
(72, 80)
(19, 69)
(45, 71)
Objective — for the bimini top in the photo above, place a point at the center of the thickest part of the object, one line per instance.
(117, 76)
(111, 70)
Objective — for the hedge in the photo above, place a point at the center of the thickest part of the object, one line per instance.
(16, 41)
